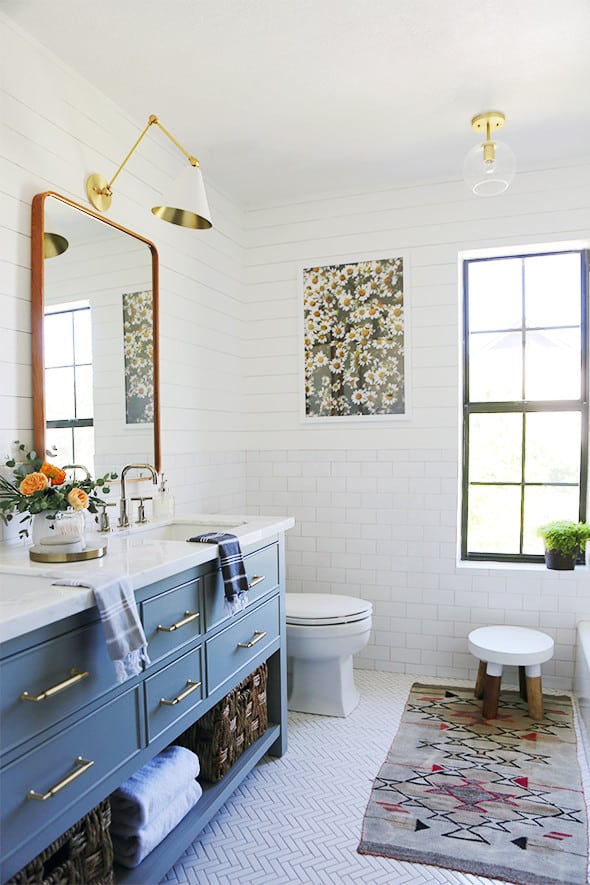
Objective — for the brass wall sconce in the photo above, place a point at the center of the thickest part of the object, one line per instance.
(490, 166)
(188, 190)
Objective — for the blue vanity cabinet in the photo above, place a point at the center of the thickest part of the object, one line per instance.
(174, 693)
(239, 644)
(47, 682)
(73, 747)
(46, 783)
(173, 618)
(262, 570)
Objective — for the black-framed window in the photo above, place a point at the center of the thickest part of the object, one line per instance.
(525, 400)
(69, 400)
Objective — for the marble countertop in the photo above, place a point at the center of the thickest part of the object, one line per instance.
(29, 599)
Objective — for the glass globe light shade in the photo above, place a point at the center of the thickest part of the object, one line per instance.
(488, 179)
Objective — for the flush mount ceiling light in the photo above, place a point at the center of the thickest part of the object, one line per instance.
(490, 166)
(186, 203)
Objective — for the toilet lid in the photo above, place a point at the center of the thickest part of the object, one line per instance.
(323, 609)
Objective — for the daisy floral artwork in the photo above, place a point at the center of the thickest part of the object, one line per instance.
(354, 341)
(138, 346)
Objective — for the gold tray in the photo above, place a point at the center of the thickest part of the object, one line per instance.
(38, 555)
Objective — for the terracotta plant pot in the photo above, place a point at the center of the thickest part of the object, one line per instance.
(560, 561)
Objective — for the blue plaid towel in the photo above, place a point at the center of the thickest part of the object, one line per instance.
(235, 579)
(125, 638)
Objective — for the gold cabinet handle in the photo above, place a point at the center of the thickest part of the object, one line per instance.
(82, 766)
(258, 635)
(256, 579)
(192, 686)
(188, 617)
(75, 677)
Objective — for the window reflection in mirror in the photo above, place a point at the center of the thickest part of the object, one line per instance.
(69, 396)
(84, 357)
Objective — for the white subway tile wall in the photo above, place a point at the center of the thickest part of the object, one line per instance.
(375, 544)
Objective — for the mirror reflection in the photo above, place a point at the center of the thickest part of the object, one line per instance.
(95, 344)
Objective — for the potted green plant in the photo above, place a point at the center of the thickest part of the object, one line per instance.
(563, 540)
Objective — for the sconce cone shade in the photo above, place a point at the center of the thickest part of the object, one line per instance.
(488, 179)
(186, 202)
(54, 245)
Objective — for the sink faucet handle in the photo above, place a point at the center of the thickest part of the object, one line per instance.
(103, 517)
(141, 518)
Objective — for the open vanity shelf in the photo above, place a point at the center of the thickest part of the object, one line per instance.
(121, 727)
(156, 865)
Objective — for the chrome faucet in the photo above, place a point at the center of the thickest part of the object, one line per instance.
(123, 516)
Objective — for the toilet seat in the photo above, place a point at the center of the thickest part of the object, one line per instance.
(325, 609)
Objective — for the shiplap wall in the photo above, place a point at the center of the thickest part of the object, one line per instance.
(376, 503)
(55, 129)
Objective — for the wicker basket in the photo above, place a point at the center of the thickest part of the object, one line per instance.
(221, 735)
(84, 854)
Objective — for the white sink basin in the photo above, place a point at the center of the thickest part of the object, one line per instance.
(183, 531)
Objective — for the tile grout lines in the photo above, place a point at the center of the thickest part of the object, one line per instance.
(298, 819)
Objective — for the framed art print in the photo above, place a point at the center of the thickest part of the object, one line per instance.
(354, 339)
(138, 352)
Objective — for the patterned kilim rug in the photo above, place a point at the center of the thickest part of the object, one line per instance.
(500, 798)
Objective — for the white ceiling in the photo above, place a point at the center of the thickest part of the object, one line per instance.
(287, 99)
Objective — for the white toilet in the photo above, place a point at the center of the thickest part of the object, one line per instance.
(324, 631)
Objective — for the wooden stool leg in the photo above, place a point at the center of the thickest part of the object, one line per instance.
(480, 681)
(522, 682)
(491, 696)
(535, 697)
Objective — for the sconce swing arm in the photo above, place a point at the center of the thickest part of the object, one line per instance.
(98, 188)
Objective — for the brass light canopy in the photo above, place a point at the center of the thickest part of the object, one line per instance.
(187, 205)
(489, 168)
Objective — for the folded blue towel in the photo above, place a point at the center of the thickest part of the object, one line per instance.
(129, 849)
(233, 571)
(141, 797)
(125, 638)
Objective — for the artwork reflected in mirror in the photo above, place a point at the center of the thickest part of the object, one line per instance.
(95, 347)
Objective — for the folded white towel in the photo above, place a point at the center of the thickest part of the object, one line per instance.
(142, 796)
(130, 850)
(125, 638)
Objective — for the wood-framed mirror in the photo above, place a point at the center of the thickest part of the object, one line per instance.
(95, 362)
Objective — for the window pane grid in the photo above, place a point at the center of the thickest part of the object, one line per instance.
(554, 366)
(70, 409)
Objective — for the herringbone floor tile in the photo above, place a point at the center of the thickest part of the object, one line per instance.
(298, 819)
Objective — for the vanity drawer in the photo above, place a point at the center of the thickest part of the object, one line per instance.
(106, 738)
(46, 683)
(262, 568)
(173, 619)
(241, 642)
(174, 691)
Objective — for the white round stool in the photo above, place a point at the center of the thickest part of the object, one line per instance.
(524, 648)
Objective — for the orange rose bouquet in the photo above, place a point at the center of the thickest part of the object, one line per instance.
(38, 486)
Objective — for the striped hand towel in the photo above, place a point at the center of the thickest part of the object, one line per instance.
(235, 579)
(125, 638)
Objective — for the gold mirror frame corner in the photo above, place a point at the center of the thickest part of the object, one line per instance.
(38, 309)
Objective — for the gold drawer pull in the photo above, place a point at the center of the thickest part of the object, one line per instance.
(258, 635)
(256, 579)
(188, 617)
(84, 765)
(192, 686)
(75, 677)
